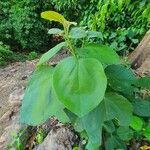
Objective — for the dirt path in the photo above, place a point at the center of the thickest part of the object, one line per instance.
(12, 78)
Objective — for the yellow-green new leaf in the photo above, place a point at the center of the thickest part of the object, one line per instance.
(53, 16)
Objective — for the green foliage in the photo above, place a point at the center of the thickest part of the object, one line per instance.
(125, 133)
(147, 132)
(5, 54)
(122, 22)
(142, 107)
(137, 123)
(40, 136)
(143, 82)
(32, 55)
(95, 98)
(21, 25)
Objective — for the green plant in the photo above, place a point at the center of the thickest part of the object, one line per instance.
(21, 26)
(32, 55)
(90, 89)
(5, 54)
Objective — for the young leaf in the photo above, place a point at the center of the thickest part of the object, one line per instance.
(80, 84)
(53, 16)
(48, 55)
(137, 123)
(55, 31)
(141, 107)
(77, 33)
(103, 53)
(39, 102)
(117, 107)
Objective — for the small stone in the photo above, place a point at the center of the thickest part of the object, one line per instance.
(58, 139)
(16, 97)
(6, 117)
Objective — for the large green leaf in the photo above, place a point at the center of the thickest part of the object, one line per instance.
(40, 101)
(120, 78)
(103, 53)
(80, 84)
(142, 107)
(45, 57)
(92, 123)
(117, 107)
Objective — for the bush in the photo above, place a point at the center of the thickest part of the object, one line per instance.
(5, 54)
(22, 26)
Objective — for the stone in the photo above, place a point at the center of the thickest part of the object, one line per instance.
(6, 117)
(15, 98)
(58, 139)
(6, 137)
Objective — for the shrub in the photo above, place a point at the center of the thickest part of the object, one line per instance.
(32, 55)
(89, 89)
(5, 54)
(21, 25)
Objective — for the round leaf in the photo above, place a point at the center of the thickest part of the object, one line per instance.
(104, 54)
(80, 84)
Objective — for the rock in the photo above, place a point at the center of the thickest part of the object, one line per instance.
(16, 97)
(58, 139)
(6, 116)
(6, 137)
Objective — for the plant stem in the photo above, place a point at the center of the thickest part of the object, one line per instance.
(71, 49)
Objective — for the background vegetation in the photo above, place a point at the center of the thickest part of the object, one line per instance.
(122, 23)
